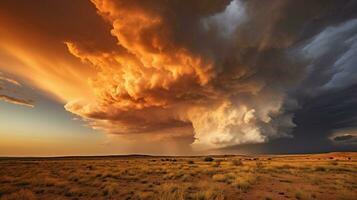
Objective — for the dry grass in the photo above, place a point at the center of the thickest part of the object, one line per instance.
(244, 181)
(171, 192)
(196, 178)
(219, 177)
(22, 194)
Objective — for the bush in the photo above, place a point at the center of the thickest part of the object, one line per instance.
(244, 182)
(237, 162)
(334, 162)
(320, 169)
(190, 162)
(110, 189)
(259, 165)
(216, 164)
(208, 159)
(219, 177)
(241, 183)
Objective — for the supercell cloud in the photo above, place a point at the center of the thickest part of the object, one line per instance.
(194, 64)
(171, 70)
(223, 72)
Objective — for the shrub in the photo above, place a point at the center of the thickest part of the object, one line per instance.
(244, 181)
(90, 167)
(219, 177)
(259, 165)
(186, 177)
(208, 159)
(241, 183)
(237, 162)
(334, 162)
(190, 162)
(110, 189)
(320, 169)
(217, 163)
(299, 195)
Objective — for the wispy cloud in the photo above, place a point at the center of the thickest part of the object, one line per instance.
(17, 101)
(9, 80)
(13, 100)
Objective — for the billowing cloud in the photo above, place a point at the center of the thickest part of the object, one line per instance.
(174, 69)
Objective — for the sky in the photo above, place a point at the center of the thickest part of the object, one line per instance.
(178, 77)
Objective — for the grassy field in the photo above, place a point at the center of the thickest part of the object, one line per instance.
(317, 176)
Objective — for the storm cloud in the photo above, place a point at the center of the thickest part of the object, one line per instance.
(225, 73)
(224, 70)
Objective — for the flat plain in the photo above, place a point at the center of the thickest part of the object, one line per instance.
(310, 176)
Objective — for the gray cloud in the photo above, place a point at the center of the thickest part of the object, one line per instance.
(343, 138)
(332, 58)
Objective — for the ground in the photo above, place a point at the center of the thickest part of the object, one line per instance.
(314, 176)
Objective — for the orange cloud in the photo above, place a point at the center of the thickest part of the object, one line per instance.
(17, 101)
(13, 100)
(160, 68)
(158, 82)
(9, 80)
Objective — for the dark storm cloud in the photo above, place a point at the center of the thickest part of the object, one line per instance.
(319, 120)
(344, 138)
(320, 38)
